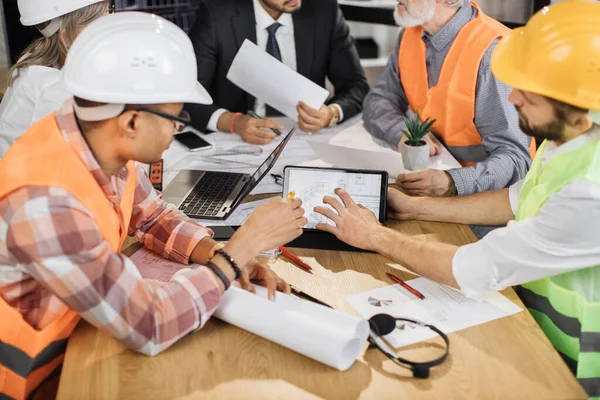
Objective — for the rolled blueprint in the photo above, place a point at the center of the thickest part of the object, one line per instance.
(325, 335)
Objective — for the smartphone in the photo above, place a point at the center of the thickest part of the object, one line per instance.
(192, 141)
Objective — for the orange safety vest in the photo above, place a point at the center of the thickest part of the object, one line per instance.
(452, 101)
(30, 359)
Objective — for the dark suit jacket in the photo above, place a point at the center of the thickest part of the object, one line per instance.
(324, 48)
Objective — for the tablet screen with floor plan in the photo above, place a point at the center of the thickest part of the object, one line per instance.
(368, 188)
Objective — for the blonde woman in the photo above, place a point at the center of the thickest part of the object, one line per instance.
(34, 84)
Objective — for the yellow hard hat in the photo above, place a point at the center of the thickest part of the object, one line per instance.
(557, 54)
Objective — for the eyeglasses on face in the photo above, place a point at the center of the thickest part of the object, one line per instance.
(180, 121)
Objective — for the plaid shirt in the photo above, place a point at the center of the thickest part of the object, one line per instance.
(53, 257)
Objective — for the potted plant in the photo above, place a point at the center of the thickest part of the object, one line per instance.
(415, 150)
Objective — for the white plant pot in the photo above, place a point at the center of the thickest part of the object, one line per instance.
(415, 157)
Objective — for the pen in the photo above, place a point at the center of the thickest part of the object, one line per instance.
(307, 296)
(294, 258)
(405, 286)
(255, 115)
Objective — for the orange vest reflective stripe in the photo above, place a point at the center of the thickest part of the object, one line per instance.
(30, 359)
(452, 101)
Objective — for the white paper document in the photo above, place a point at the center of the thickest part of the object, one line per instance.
(271, 81)
(346, 157)
(356, 148)
(445, 308)
(315, 331)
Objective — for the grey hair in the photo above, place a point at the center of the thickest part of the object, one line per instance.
(455, 3)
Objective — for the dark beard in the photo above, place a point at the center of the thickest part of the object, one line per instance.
(275, 7)
(551, 131)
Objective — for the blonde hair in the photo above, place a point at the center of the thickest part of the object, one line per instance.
(52, 51)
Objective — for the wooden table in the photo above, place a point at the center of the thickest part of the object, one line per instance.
(510, 358)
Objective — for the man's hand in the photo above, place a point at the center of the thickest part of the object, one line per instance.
(261, 274)
(311, 120)
(255, 131)
(401, 206)
(427, 182)
(354, 223)
(273, 224)
(434, 146)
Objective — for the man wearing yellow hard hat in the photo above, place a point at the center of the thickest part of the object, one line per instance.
(550, 247)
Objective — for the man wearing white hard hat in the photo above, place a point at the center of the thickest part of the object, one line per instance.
(70, 193)
(35, 87)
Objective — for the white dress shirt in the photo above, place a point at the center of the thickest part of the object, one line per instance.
(564, 236)
(37, 92)
(287, 46)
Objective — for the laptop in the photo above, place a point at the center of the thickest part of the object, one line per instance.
(215, 194)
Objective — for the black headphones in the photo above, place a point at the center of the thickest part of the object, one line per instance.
(383, 324)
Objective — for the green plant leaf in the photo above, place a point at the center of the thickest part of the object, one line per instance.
(416, 128)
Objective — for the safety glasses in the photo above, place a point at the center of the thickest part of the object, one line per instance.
(180, 121)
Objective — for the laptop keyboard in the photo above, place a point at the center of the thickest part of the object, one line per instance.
(209, 194)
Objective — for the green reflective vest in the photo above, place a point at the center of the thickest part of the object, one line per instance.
(566, 306)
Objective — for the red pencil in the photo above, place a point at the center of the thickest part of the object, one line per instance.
(405, 286)
(294, 258)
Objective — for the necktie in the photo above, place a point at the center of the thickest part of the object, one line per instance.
(273, 49)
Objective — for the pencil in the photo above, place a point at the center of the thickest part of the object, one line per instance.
(405, 286)
(294, 258)
(291, 195)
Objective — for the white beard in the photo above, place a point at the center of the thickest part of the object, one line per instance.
(415, 15)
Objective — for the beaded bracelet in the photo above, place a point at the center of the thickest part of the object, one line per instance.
(231, 261)
(214, 268)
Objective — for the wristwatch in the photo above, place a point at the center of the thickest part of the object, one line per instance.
(214, 250)
(334, 119)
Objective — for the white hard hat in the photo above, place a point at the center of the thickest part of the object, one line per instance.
(35, 12)
(132, 58)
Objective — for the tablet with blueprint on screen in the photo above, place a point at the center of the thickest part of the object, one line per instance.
(311, 184)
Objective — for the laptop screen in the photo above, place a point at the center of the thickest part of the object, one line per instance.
(266, 165)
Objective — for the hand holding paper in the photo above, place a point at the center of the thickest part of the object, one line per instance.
(271, 81)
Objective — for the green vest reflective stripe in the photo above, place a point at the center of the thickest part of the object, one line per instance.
(565, 306)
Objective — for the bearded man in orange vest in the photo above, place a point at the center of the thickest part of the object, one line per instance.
(442, 70)
(70, 193)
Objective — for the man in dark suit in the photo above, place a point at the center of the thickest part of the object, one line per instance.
(309, 36)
